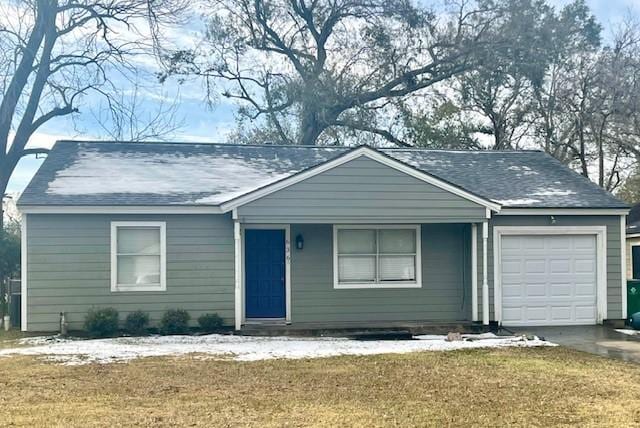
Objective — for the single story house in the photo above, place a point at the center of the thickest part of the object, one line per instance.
(319, 236)
(633, 243)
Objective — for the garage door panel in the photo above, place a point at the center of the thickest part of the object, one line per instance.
(585, 266)
(560, 265)
(532, 243)
(548, 280)
(535, 266)
(587, 312)
(560, 290)
(584, 242)
(536, 313)
(561, 313)
(558, 244)
(535, 290)
(512, 266)
(512, 313)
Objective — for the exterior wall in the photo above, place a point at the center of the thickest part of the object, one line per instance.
(614, 278)
(69, 268)
(630, 243)
(445, 294)
(361, 190)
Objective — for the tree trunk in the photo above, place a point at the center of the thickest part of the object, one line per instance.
(601, 163)
(4, 182)
(311, 126)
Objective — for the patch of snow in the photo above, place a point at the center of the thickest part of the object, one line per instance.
(553, 192)
(628, 331)
(523, 169)
(243, 348)
(522, 201)
(224, 178)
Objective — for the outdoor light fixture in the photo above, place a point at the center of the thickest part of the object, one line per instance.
(299, 242)
(553, 220)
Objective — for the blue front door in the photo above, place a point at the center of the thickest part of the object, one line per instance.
(264, 265)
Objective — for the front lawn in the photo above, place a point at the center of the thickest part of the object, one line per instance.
(491, 387)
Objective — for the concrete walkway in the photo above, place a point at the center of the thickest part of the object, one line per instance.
(599, 340)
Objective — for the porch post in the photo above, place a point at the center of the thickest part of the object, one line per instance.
(474, 272)
(623, 263)
(23, 274)
(237, 237)
(485, 282)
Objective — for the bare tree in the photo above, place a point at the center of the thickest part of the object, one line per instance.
(125, 117)
(326, 65)
(55, 52)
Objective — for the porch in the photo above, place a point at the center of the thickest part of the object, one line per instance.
(312, 288)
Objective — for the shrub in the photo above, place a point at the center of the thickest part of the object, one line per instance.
(101, 322)
(175, 321)
(136, 322)
(210, 323)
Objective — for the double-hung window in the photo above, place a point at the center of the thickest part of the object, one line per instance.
(377, 256)
(138, 256)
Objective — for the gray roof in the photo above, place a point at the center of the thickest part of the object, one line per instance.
(85, 173)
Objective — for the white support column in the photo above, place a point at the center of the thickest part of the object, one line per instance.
(623, 263)
(485, 276)
(23, 273)
(237, 236)
(474, 272)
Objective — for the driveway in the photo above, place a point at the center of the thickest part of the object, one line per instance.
(596, 339)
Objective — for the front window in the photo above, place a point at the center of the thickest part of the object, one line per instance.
(138, 251)
(376, 256)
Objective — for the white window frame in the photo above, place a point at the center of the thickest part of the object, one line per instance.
(115, 287)
(373, 285)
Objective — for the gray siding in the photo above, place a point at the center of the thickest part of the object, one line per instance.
(358, 189)
(444, 296)
(614, 291)
(69, 268)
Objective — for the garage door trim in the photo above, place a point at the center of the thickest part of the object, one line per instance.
(600, 233)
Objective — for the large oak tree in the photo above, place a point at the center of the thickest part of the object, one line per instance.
(303, 71)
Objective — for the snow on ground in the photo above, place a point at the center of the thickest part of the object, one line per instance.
(243, 348)
(629, 331)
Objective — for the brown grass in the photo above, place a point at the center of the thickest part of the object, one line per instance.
(515, 387)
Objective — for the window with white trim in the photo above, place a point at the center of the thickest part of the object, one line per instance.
(138, 256)
(377, 256)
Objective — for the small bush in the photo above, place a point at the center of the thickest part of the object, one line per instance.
(210, 323)
(136, 322)
(175, 321)
(101, 322)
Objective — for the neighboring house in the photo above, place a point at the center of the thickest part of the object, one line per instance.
(9, 209)
(633, 243)
(319, 236)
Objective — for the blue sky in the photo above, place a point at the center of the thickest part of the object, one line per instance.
(212, 123)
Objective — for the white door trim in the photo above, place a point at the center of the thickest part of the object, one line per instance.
(601, 259)
(287, 267)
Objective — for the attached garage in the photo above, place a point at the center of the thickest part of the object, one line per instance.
(550, 276)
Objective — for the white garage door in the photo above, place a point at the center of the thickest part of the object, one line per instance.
(548, 280)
